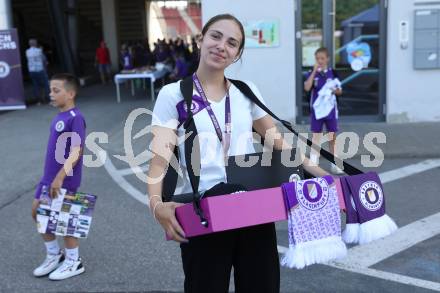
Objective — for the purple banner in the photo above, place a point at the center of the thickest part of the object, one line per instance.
(11, 79)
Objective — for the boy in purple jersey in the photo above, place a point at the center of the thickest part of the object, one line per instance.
(315, 81)
(62, 169)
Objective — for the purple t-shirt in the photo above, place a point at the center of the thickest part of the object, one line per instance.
(68, 129)
(127, 61)
(182, 68)
(318, 82)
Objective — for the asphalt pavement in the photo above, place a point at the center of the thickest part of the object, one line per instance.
(126, 250)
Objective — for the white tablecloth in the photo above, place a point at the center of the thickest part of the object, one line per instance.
(151, 75)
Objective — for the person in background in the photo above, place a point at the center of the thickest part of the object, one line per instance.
(126, 58)
(103, 62)
(36, 61)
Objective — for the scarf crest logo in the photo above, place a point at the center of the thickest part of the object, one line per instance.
(371, 196)
(313, 194)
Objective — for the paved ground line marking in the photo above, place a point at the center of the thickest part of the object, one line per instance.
(409, 170)
(361, 257)
(134, 170)
(392, 277)
(281, 249)
(364, 256)
(372, 253)
(120, 180)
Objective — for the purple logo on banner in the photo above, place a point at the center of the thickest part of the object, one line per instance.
(11, 80)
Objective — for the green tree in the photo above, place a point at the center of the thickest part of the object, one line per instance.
(312, 11)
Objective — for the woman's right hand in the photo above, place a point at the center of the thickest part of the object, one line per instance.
(166, 216)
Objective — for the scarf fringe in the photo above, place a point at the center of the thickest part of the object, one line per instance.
(376, 229)
(313, 252)
(351, 233)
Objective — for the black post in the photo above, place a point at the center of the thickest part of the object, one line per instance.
(58, 19)
(72, 31)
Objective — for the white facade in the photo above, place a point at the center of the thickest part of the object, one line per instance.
(412, 95)
(271, 69)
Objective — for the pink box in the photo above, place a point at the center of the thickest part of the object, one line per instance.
(232, 211)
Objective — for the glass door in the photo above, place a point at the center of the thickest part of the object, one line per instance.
(354, 32)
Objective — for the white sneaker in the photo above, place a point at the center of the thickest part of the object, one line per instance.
(336, 170)
(49, 264)
(69, 268)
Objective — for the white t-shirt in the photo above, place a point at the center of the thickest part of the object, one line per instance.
(35, 59)
(243, 113)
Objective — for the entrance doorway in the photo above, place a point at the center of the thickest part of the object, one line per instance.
(354, 32)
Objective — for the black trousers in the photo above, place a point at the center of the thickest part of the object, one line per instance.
(252, 251)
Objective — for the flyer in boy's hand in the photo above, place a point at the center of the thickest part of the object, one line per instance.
(69, 214)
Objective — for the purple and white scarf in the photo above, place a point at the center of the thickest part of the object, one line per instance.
(364, 198)
(314, 224)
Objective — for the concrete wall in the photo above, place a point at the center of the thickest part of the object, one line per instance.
(412, 95)
(109, 27)
(271, 69)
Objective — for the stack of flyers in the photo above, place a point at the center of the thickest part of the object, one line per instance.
(69, 214)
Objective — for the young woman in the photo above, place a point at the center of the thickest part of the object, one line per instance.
(208, 259)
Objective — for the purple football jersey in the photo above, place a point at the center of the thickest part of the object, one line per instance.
(67, 130)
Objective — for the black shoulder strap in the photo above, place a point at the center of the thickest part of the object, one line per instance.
(192, 146)
(246, 90)
(191, 141)
(171, 178)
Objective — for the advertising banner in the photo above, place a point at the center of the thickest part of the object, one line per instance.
(11, 79)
